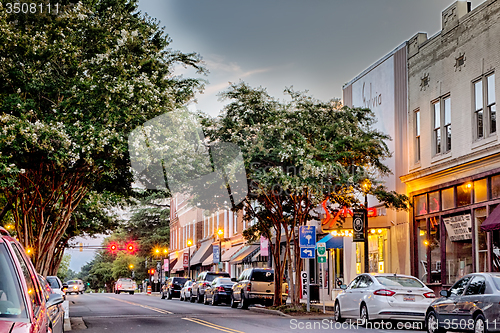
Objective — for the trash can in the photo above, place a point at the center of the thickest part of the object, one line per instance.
(314, 290)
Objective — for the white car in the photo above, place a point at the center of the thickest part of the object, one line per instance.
(126, 285)
(383, 296)
(75, 286)
(186, 291)
(56, 285)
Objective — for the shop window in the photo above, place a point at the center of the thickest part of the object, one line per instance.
(495, 187)
(421, 204)
(464, 192)
(481, 244)
(338, 262)
(448, 197)
(481, 190)
(458, 247)
(434, 205)
(435, 249)
(422, 245)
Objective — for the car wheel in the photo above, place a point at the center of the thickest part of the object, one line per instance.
(180, 297)
(205, 300)
(199, 298)
(234, 304)
(131, 293)
(431, 323)
(479, 324)
(244, 302)
(337, 315)
(214, 301)
(363, 314)
(192, 299)
(169, 294)
(162, 295)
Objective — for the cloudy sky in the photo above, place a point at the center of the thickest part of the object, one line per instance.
(315, 45)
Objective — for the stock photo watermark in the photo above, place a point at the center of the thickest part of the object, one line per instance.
(330, 324)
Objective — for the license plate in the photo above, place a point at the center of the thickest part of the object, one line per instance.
(409, 298)
(265, 297)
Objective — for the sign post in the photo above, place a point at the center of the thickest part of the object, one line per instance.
(322, 259)
(307, 243)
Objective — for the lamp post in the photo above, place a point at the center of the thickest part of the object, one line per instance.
(189, 243)
(220, 234)
(366, 188)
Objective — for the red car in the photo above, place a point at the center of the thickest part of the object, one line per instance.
(23, 307)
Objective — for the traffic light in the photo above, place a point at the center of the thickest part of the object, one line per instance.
(113, 248)
(152, 271)
(131, 248)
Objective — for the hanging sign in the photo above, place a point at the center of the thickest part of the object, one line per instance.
(358, 226)
(458, 227)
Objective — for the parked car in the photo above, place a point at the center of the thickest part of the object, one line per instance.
(55, 313)
(202, 283)
(220, 290)
(22, 300)
(472, 304)
(56, 285)
(383, 296)
(75, 286)
(186, 291)
(256, 286)
(126, 285)
(172, 288)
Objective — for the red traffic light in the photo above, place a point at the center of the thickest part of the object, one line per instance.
(113, 248)
(131, 248)
(152, 271)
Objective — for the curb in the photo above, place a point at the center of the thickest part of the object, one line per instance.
(269, 311)
(77, 323)
(67, 324)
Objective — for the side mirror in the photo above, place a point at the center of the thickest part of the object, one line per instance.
(233, 279)
(54, 299)
(445, 293)
(343, 287)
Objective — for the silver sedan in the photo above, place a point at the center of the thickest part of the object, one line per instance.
(383, 296)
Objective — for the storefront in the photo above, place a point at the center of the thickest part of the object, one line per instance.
(448, 241)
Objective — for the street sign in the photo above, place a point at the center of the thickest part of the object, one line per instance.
(216, 254)
(185, 260)
(321, 252)
(358, 225)
(303, 280)
(307, 236)
(166, 265)
(307, 253)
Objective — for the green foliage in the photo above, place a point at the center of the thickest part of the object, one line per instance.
(63, 271)
(72, 87)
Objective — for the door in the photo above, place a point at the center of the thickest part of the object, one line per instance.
(346, 299)
(446, 308)
(471, 300)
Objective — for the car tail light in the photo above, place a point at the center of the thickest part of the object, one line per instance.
(384, 292)
(286, 289)
(220, 288)
(189, 288)
(430, 295)
(249, 287)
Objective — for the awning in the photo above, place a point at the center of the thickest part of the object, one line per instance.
(230, 252)
(245, 252)
(202, 253)
(178, 265)
(209, 261)
(492, 222)
(336, 242)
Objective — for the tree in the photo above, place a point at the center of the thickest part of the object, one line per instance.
(72, 87)
(62, 272)
(298, 154)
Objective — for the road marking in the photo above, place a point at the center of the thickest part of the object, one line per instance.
(143, 306)
(211, 325)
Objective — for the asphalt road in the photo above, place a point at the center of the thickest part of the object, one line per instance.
(112, 313)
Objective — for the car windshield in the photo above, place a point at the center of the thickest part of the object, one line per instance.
(263, 276)
(70, 283)
(211, 277)
(11, 300)
(399, 281)
(54, 283)
(180, 280)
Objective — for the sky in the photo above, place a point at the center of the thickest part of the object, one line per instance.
(314, 45)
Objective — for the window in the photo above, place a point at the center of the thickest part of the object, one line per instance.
(421, 205)
(464, 194)
(481, 190)
(485, 106)
(495, 187)
(448, 197)
(442, 125)
(417, 136)
(459, 287)
(434, 202)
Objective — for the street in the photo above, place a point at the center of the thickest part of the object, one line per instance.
(149, 314)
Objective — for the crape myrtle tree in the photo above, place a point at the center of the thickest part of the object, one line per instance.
(72, 86)
(297, 154)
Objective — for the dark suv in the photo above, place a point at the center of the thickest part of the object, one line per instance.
(203, 282)
(172, 288)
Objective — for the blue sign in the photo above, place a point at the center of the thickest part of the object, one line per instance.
(216, 254)
(307, 253)
(307, 236)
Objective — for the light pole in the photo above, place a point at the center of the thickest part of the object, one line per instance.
(366, 188)
(220, 233)
(189, 243)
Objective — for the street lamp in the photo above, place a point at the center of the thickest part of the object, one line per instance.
(220, 233)
(367, 184)
(189, 243)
